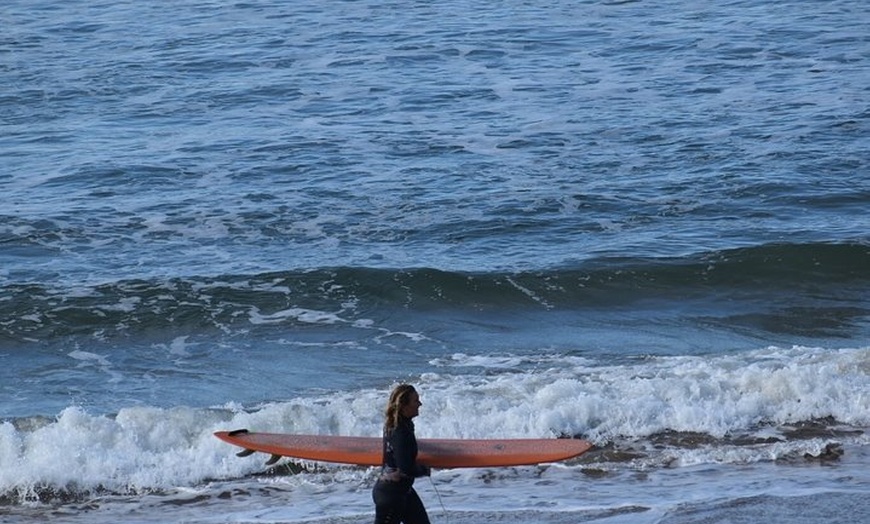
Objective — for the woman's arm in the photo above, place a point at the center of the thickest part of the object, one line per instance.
(405, 453)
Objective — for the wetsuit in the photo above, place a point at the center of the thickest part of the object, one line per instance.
(394, 495)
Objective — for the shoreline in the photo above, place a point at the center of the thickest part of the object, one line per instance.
(808, 491)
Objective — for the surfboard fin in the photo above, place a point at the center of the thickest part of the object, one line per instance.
(245, 453)
(273, 459)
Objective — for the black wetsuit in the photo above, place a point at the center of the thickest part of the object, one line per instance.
(395, 500)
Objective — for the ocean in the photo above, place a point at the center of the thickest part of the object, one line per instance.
(644, 224)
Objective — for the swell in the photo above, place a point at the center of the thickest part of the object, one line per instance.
(791, 276)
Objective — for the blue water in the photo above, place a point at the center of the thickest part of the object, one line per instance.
(642, 223)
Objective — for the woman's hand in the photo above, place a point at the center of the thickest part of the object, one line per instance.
(392, 476)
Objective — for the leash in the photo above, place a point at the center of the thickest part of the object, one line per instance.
(443, 509)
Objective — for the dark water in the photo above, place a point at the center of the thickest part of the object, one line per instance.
(641, 223)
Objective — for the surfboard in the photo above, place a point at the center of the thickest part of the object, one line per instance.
(435, 453)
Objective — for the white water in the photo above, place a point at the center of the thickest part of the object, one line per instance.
(757, 395)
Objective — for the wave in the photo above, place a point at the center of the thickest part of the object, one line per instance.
(803, 280)
(766, 405)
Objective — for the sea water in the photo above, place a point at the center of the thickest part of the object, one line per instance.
(639, 223)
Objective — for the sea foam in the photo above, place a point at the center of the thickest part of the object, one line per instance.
(758, 397)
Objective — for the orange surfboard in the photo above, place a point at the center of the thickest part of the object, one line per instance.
(435, 453)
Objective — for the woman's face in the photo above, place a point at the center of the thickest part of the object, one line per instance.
(412, 407)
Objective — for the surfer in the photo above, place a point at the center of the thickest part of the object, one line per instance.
(394, 495)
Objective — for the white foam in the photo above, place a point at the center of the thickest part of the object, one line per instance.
(87, 356)
(714, 395)
(144, 448)
(309, 316)
(179, 346)
(529, 293)
(89, 359)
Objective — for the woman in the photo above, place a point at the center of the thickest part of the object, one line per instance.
(394, 495)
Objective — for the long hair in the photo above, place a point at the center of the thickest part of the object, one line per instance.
(398, 398)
